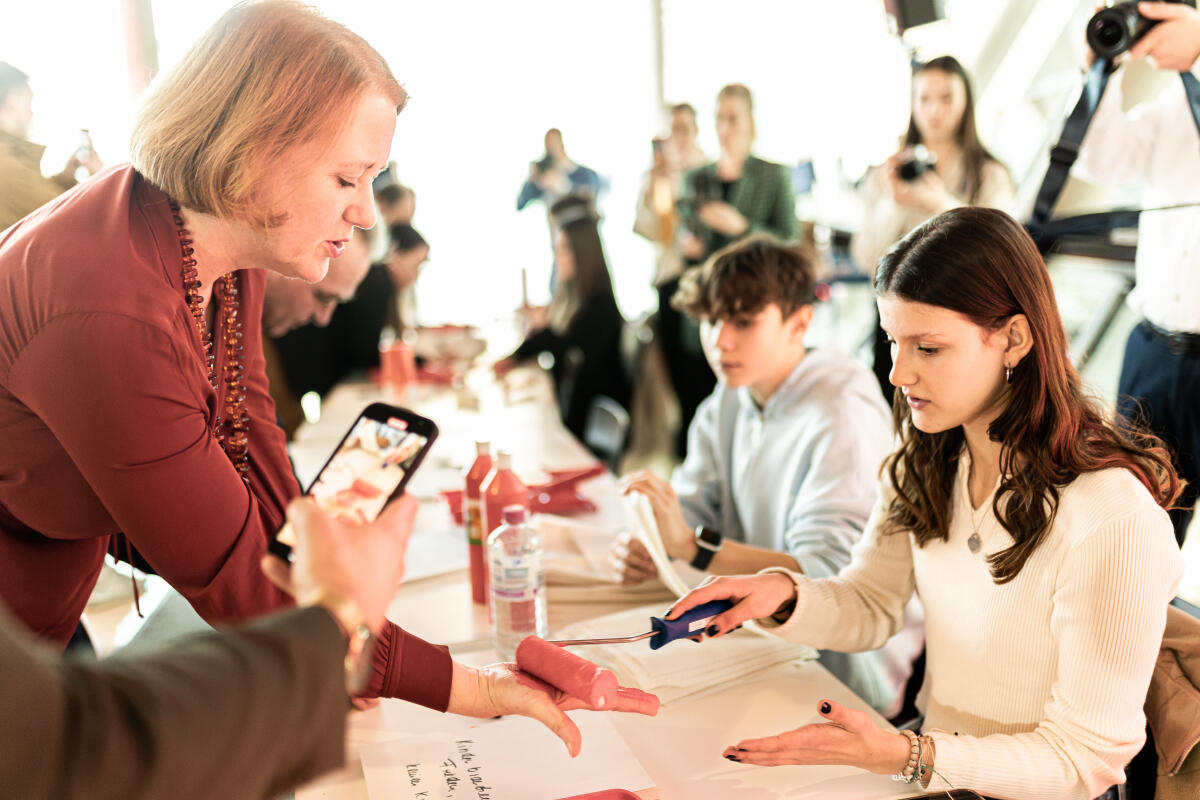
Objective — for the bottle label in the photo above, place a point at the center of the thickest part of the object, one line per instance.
(518, 578)
(473, 517)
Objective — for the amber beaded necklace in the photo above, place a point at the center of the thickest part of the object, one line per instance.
(233, 432)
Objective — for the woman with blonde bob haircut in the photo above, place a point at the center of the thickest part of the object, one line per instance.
(1032, 526)
(134, 410)
(266, 79)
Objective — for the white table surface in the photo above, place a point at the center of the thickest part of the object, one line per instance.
(681, 747)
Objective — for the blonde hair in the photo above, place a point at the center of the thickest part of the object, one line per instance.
(742, 92)
(268, 77)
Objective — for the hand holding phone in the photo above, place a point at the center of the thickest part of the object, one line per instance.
(351, 570)
(369, 468)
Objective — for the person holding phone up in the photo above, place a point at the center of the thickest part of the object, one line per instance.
(134, 412)
(25, 188)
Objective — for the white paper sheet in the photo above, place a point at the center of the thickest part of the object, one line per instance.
(513, 758)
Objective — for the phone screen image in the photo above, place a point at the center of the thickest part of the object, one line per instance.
(372, 461)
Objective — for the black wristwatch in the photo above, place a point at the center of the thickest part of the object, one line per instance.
(708, 544)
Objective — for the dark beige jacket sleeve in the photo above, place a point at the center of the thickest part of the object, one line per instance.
(246, 713)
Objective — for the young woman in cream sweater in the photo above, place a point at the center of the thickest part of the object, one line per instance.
(1033, 528)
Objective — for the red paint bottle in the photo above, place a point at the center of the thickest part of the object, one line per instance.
(501, 488)
(473, 520)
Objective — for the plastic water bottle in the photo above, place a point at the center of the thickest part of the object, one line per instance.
(518, 581)
(500, 489)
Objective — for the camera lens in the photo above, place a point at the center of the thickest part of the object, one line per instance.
(1110, 31)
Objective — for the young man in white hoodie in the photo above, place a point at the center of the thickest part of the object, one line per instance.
(783, 457)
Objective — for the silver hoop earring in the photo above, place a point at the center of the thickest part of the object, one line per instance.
(1008, 374)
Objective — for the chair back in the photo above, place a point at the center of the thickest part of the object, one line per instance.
(606, 430)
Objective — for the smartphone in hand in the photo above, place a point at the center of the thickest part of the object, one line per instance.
(368, 469)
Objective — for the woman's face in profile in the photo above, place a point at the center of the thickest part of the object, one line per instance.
(324, 188)
(950, 370)
(735, 128)
(939, 102)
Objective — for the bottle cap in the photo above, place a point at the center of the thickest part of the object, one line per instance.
(503, 459)
(513, 515)
(483, 448)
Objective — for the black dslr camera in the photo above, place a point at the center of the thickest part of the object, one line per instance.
(1113, 30)
(706, 188)
(916, 166)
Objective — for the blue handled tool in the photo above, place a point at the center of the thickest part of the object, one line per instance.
(690, 623)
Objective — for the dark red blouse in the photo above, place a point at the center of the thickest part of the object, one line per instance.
(105, 420)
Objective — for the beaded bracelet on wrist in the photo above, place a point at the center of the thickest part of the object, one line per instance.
(909, 773)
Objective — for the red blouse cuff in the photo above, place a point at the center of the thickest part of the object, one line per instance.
(411, 669)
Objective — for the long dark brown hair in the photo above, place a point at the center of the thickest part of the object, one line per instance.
(982, 264)
(974, 154)
(592, 280)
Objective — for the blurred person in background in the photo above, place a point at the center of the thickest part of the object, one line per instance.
(581, 328)
(657, 218)
(397, 204)
(734, 196)
(394, 279)
(555, 177)
(319, 353)
(23, 187)
(406, 255)
(290, 303)
(941, 164)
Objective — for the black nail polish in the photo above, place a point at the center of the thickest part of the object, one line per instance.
(713, 630)
(732, 757)
(738, 628)
(826, 708)
(741, 750)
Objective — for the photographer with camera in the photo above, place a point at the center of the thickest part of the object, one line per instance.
(941, 164)
(1155, 144)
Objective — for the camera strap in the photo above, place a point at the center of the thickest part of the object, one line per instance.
(1191, 88)
(1063, 155)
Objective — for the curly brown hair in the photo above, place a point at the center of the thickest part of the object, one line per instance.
(982, 264)
(745, 277)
